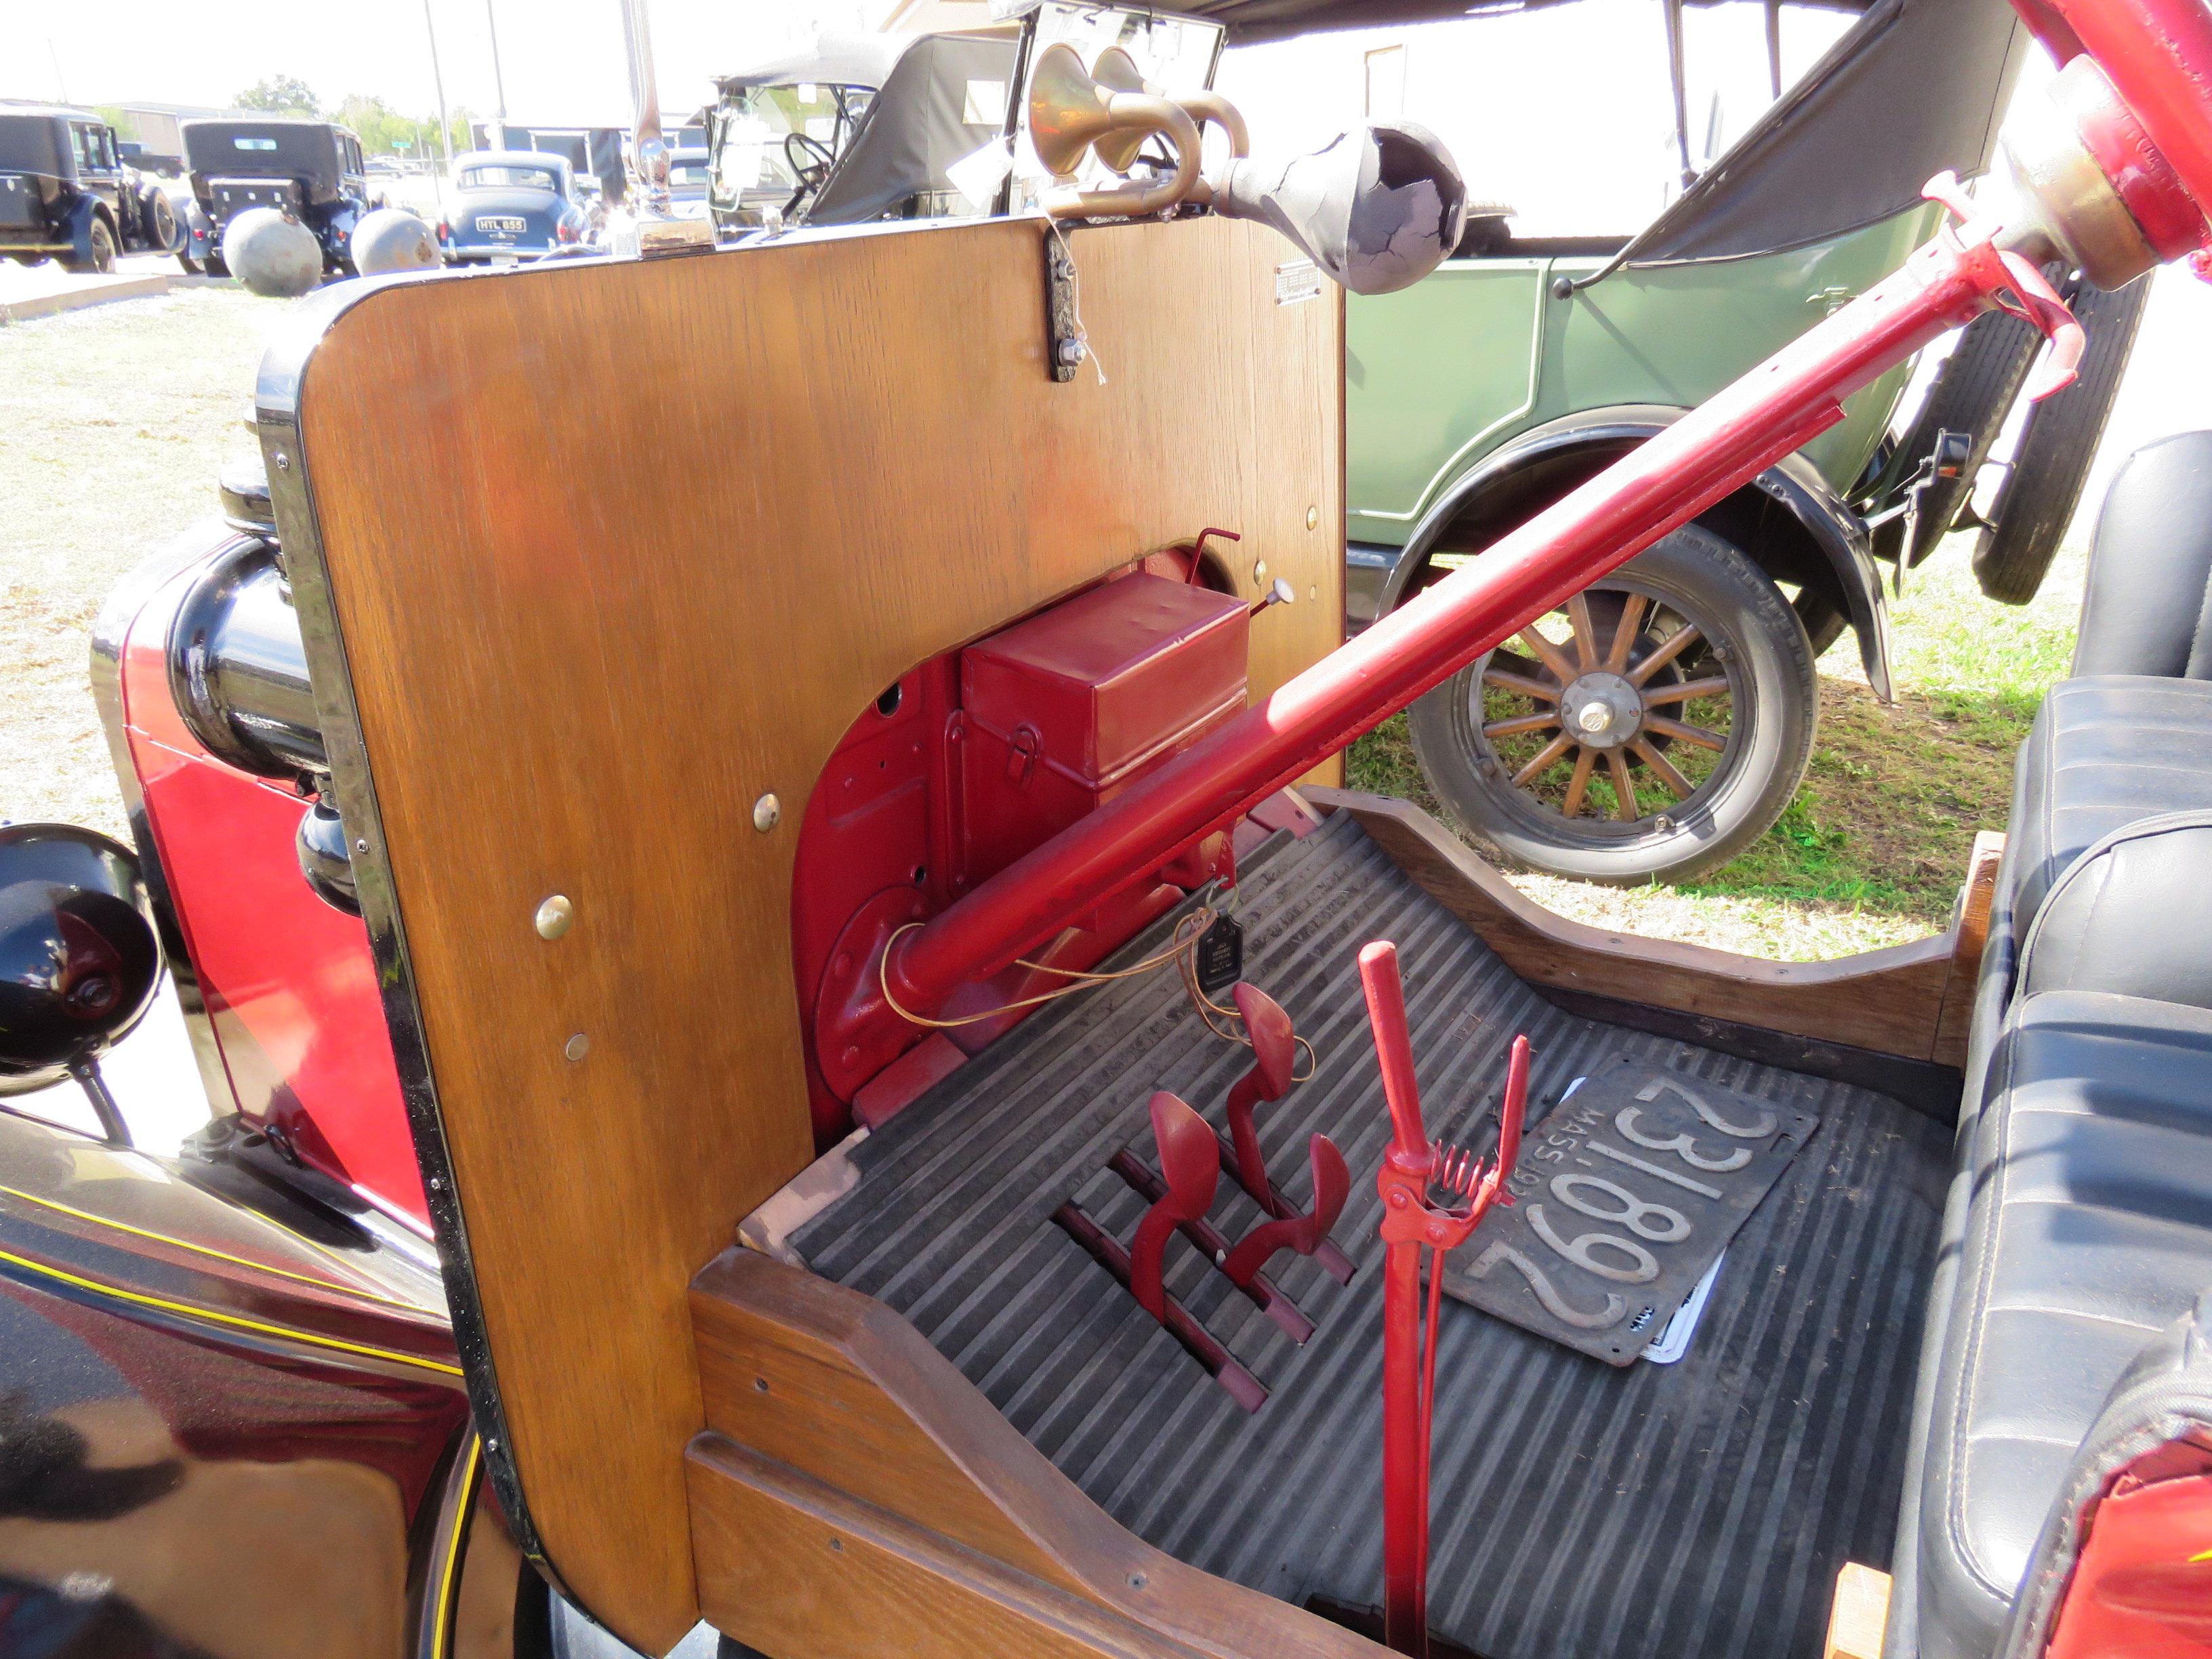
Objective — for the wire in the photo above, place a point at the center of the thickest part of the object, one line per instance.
(1082, 980)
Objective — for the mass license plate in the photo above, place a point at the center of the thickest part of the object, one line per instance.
(1624, 1195)
(502, 224)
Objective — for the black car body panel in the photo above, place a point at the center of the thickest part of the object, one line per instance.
(312, 171)
(60, 169)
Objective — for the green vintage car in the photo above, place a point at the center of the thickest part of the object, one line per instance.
(1664, 718)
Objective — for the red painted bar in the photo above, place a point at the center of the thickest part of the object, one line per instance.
(2158, 55)
(1732, 437)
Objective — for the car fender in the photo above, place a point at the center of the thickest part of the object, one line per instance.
(1822, 544)
(86, 208)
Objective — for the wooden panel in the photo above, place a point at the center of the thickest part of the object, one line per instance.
(1859, 1614)
(615, 548)
(836, 1389)
(799, 1570)
(1970, 937)
(1888, 1000)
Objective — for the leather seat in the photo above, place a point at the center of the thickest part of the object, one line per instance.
(2089, 1228)
(2145, 610)
(2105, 751)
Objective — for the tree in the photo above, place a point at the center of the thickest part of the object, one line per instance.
(285, 93)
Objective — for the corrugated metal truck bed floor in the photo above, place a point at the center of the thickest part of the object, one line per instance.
(1581, 1510)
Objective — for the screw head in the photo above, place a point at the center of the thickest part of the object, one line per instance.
(554, 916)
(577, 1046)
(1313, 517)
(361, 846)
(284, 462)
(1259, 571)
(768, 812)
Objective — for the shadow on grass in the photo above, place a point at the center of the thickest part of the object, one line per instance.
(1883, 822)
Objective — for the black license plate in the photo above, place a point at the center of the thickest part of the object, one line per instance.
(1624, 1195)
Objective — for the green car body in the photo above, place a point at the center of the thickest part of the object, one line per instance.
(1446, 372)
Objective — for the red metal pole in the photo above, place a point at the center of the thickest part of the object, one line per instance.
(1736, 435)
(2158, 55)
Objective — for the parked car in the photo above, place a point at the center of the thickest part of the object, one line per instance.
(856, 128)
(1526, 365)
(507, 205)
(775, 985)
(310, 171)
(66, 193)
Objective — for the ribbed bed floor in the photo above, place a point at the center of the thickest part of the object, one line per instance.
(1582, 1511)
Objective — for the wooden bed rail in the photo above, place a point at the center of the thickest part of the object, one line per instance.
(1908, 1001)
(855, 1494)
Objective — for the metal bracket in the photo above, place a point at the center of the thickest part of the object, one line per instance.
(1063, 325)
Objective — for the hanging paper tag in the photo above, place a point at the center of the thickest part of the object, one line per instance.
(1220, 960)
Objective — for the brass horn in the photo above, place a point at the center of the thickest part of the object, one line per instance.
(1117, 69)
(1070, 113)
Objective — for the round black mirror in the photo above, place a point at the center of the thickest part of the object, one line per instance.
(79, 956)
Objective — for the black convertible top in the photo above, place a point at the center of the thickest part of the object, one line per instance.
(1249, 21)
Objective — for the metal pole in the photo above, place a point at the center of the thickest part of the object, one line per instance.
(438, 80)
(1728, 440)
(498, 80)
(55, 57)
(1675, 77)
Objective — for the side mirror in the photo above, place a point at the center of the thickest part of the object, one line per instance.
(1378, 208)
(79, 959)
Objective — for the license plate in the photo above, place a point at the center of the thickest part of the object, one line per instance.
(502, 223)
(1625, 1194)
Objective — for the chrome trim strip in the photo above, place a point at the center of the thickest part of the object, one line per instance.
(278, 392)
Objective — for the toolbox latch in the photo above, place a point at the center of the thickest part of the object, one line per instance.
(1021, 755)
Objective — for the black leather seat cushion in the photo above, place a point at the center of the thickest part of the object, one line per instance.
(2147, 607)
(2133, 915)
(2089, 1228)
(2105, 751)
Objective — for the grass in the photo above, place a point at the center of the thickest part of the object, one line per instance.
(114, 423)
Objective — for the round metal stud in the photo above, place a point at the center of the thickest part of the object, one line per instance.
(1313, 517)
(577, 1046)
(768, 812)
(1260, 572)
(554, 917)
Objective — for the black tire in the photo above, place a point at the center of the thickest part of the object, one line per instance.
(1693, 579)
(213, 265)
(1973, 392)
(192, 266)
(95, 253)
(157, 222)
(2043, 486)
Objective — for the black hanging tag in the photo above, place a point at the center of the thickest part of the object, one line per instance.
(1220, 955)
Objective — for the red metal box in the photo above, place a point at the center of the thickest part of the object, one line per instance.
(1066, 709)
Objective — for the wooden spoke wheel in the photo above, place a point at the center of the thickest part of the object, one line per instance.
(1648, 728)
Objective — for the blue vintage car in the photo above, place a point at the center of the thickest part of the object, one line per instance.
(509, 205)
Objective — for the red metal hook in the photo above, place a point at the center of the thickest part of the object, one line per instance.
(1275, 1060)
(1411, 1169)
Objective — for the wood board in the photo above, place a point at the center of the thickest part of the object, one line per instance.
(613, 549)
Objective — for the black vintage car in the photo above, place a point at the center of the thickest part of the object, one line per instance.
(310, 171)
(65, 193)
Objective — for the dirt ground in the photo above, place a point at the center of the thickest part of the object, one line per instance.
(114, 423)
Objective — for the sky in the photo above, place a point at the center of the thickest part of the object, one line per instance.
(560, 59)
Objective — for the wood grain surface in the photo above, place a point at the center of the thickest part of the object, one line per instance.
(614, 550)
(823, 1402)
(1889, 1001)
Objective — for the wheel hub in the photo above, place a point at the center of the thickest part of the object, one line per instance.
(1601, 710)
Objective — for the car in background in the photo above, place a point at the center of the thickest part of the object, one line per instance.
(66, 193)
(312, 172)
(857, 128)
(690, 172)
(511, 204)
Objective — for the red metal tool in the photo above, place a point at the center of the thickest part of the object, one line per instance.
(1411, 1169)
(1190, 1166)
(1275, 1058)
(1734, 435)
(1305, 1234)
(1213, 1244)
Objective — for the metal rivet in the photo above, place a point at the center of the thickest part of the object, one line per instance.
(1313, 593)
(554, 916)
(1313, 517)
(284, 462)
(768, 812)
(577, 1047)
(1259, 571)
(361, 846)
(838, 1545)
(1136, 1581)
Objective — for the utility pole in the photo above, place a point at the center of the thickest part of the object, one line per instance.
(56, 58)
(438, 80)
(498, 81)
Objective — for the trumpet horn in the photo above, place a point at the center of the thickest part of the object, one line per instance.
(1117, 69)
(1070, 113)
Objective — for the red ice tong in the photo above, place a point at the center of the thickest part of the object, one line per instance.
(1412, 1168)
